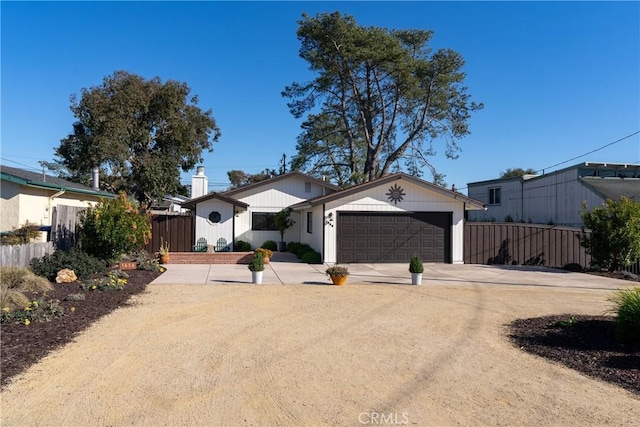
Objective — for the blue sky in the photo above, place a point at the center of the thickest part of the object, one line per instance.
(558, 79)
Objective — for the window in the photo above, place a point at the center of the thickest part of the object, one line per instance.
(494, 196)
(262, 221)
(309, 222)
(307, 187)
(214, 217)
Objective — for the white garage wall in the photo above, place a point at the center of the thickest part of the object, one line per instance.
(415, 199)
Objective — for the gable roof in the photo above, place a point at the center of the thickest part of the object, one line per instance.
(213, 195)
(280, 178)
(471, 203)
(614, 188)
(47, 182)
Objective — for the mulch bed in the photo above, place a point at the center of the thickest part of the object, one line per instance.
(585, 343)
(22, 346)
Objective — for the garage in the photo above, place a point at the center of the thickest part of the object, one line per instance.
(371, 237)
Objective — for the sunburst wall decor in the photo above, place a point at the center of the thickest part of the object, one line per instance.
(396, 193)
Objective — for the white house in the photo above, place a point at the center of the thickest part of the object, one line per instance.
(556, 197)
(31, 197)
(386, 220)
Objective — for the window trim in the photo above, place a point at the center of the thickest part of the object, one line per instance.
(270, 226)
(492, 196)
(310, 222)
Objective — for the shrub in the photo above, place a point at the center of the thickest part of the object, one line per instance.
(271, 245)
(627, 308)
(283, 221)
(145, 262)
(113, 228)
(415, 265)
(83, 264)
(302, 249)
(312, 257)
(293, 247)
(15, 282)
(257, 262)
(34, 311)
(611, 233)
(114, 281)
(241, 246)
(337, 270)
(266, 253)
(25, 234)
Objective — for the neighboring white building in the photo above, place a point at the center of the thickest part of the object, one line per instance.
(557, 197)
(31, 197)
(386, 220)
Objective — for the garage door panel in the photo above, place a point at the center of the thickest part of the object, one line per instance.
(394, 237)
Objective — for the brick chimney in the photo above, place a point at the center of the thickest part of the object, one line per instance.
(199, 183)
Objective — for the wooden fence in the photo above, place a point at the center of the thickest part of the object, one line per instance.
(177, 230)
(21, 255)
(525, 244)
(63, 226)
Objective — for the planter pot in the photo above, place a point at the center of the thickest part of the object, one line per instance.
(282, 246)
(164, 259)
(339, 280)
(256, 277)
(416, 278)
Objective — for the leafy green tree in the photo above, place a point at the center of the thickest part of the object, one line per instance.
(140, 133)
(611, 233)
(238, 178)
(513, 172)
(380, 97)
(113, 228)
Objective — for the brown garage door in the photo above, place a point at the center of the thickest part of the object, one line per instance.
(394, 237)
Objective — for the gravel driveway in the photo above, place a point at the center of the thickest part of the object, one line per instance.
(369, 354)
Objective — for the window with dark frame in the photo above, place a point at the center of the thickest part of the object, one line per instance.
(495, 196)
(310, 222)
(263, 221)
(307, 187)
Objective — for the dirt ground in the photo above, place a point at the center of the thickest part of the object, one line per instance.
(318, 355)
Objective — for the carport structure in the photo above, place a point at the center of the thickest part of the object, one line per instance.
(388, 220)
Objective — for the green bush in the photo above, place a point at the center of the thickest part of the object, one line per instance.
(415, 265)
(113, 228)
(611, 233)
(312, 257)
(302, 249)
(145, 262)
(82, 264)
(257, 262)
(241, 246)
(34, 311)
(293, 247)
(114, 281)
(627, 308)
(271, 245)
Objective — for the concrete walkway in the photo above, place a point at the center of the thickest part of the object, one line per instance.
(286, 269)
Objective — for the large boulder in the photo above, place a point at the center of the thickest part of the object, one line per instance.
(66, 275)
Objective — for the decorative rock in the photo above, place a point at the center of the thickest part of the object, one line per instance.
(66, 276)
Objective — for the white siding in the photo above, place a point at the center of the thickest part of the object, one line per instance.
(313, 239)
(416, 199)
(273, 197)
(511, 200)
(214, 231)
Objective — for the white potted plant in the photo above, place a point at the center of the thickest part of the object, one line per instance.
(416, 269)
(257, 267)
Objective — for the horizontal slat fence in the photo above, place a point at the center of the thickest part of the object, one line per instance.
(21, 255)
(525, 244)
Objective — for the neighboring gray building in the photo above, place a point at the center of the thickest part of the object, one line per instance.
(557, 197)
